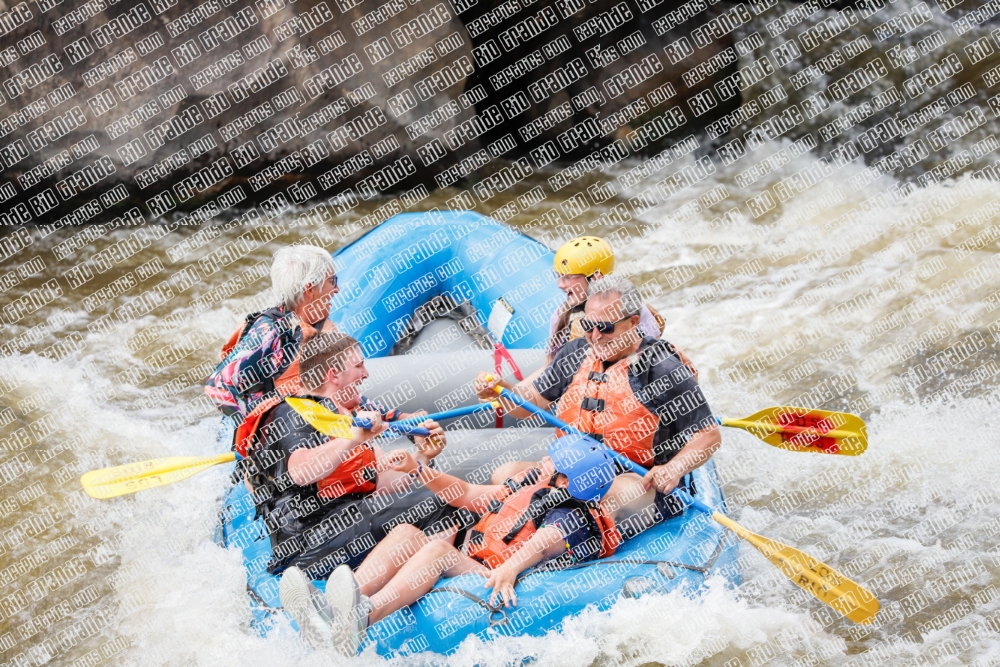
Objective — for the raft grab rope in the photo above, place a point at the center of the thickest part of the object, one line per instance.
(494, 610)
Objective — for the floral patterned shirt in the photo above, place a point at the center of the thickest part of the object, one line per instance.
(264, 351)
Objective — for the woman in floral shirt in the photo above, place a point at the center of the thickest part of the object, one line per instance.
(258, 360)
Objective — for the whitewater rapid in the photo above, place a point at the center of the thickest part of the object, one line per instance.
(912, 518)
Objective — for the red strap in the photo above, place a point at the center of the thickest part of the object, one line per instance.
(501, 350)
(501, 353)
(498, 370)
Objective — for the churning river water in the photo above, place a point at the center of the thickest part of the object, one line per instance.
(862, 292)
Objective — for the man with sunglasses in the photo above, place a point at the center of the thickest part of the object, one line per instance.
(629, 391)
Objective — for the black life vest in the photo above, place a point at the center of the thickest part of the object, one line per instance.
(267, 467)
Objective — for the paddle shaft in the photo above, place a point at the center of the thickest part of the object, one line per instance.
(448, 414)
(627, 463)
(121, 480)
(408, 426)
(406, 429)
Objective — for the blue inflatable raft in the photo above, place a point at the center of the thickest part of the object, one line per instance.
(425, 288)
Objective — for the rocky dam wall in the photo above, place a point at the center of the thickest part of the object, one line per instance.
(157, 108)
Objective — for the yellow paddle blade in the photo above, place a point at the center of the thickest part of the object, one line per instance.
(132, 477)
(807, 430)
(322, 419)
(820, 580)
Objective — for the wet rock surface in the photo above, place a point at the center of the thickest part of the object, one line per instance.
(600, 71)
(166, 107)
(169, 105)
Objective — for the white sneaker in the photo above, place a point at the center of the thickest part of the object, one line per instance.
(308, 607)
(344, 596)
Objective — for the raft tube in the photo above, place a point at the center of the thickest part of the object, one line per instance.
(677, 553)
(408, 260)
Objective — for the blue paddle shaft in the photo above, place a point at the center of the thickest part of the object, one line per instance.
(364, 423)
(448, 414)
(409, 426)
(627, 463)
(395, 426)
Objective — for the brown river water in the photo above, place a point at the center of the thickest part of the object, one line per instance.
(860, 293)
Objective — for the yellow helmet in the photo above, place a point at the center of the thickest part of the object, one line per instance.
(585, 255)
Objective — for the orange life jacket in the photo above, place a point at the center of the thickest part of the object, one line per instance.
(288, 382)
(357, 474)
(518, 511)
(603, 404)
(247, 429)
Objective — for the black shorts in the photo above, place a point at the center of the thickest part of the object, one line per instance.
(348, 531)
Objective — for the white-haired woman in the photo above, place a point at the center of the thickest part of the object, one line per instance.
(261, 356)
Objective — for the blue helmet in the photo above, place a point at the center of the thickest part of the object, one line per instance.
(586, 463)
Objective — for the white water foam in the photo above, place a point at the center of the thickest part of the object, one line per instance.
(915, 518)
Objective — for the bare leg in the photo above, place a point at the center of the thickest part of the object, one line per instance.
(628, 501)
(507, 470)
(388, 557)
(419, 574)
(390, 554)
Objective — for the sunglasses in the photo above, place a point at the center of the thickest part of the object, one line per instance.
(603, 327)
